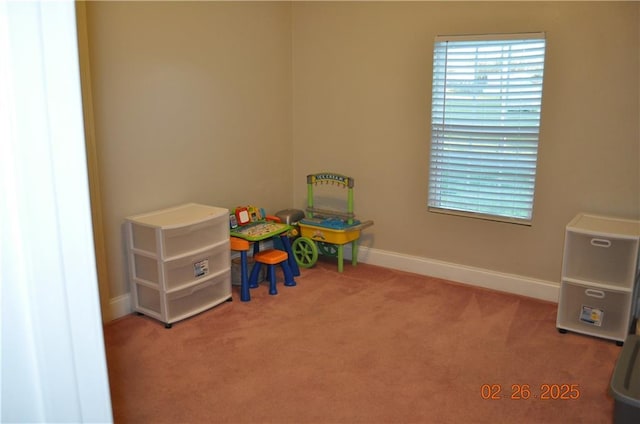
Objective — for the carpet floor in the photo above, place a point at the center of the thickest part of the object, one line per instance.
(369, 345)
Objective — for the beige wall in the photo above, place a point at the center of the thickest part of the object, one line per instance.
(192, 103)
(361, 105)
(234, 103)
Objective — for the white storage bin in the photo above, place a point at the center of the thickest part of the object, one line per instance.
(195, 299)
(601, 259)
(595, 311)
(599, 276)
(179, 260)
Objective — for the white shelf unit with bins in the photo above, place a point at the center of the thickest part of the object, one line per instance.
(599, 287)
(179, 261)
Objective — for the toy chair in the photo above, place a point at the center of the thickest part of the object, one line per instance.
(271, 258)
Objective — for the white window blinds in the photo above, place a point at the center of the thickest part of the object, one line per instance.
(487, 96)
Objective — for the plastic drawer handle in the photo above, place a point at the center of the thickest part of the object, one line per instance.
(600, 242)
(595, 293)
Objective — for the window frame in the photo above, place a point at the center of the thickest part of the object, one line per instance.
(440, 134)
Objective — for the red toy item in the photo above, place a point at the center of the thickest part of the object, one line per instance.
(242, 215)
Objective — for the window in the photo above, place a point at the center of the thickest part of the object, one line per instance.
(487, 96)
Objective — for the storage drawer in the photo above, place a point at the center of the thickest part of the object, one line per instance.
(178, 230)
(600, 259)
(178, 241)
(594, 311)
(197, 298)
(184, 270)
(199, 265)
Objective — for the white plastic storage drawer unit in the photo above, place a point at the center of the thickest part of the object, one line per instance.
(179, 261)
(598, 294)
(595, 311)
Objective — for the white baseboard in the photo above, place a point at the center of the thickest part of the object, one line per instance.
(120, 306)
(509, 283)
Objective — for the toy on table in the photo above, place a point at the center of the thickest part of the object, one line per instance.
(253, 224)
(327, 231)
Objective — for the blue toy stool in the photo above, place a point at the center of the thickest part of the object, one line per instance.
(271, 258)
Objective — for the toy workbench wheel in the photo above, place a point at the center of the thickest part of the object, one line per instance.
(305, 251)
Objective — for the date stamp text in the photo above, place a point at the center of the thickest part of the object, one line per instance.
(527, 392)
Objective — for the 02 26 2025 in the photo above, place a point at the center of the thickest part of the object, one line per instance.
(544, 391)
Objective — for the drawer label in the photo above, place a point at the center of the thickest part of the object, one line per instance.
(591, 315)
(201, 268)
